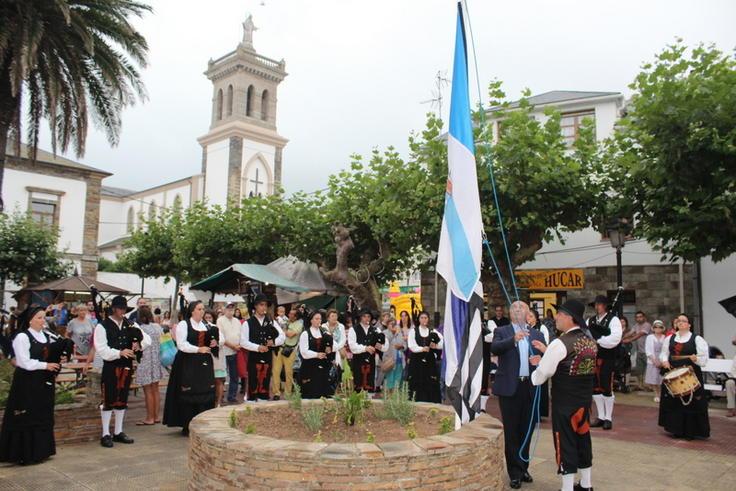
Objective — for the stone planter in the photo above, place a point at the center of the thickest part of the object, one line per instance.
(222, 458)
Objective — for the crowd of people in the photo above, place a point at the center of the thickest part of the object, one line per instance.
(230, 355)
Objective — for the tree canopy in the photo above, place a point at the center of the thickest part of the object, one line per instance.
(68, 59)
(673, 160)
(28, 251)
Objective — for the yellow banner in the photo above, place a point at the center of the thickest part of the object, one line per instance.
(551, 279)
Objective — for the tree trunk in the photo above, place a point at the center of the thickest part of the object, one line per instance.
(366, 292)
(8, 105)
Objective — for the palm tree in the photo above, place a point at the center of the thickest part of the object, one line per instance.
(67, 58)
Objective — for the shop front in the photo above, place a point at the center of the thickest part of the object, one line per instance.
(548, 287)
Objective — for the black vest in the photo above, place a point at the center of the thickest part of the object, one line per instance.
(370, 338)
(602, 328)
(261, 334)
(120, 338)
(572, 383)
(38, 350)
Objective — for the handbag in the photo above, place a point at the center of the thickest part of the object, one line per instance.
(287, 350)
(388, 364)
(167, 349)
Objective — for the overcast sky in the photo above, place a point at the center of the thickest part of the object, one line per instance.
(359, 69)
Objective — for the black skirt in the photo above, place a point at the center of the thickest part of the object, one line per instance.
(315, 375)
(684, 421)
(424, 378)
(27, 435)
(191, 388)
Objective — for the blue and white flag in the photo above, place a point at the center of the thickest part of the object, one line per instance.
(461, 248)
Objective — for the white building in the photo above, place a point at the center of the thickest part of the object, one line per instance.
(241, 152)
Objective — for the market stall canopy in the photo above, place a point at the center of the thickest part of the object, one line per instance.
(305, 274)
(75, 283)
(228, 280)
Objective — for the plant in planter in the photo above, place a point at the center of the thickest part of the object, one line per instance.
(446, 425)
(399, 405)
(312, 416)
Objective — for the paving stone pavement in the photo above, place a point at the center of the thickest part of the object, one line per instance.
(158, 460)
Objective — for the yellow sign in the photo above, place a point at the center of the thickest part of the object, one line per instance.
(551, 279)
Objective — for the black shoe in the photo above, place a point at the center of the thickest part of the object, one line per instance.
(526, 477)
(607, 425)
(276, 398)
(578, 487)
(597, 423)
(122, 438)
(185, 432)
(515, 483)
(106, 441)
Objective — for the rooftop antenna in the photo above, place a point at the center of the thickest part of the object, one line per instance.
(440, 81)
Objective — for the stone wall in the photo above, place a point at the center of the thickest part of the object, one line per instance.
(221, 457)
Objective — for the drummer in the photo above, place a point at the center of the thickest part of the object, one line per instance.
(685, 349)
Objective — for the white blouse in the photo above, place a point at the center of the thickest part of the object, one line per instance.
(701, 347)
(181, 336)
(423, 332)
(649, 348)
(307, 353)
(22, 350)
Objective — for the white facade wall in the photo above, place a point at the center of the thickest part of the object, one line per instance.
(718, 282)
(218, 155)
(112, 220)
(71, 204)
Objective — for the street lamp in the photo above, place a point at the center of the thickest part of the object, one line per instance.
(618, 230)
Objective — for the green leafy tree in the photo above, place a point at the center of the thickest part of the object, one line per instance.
(67, 58)
(673, 161)
(28, 251)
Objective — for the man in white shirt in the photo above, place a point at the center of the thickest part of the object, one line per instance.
(606, 329)
(570, 361)
(229, 328)
(116, 341)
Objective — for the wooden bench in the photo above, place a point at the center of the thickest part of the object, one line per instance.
(715, 366)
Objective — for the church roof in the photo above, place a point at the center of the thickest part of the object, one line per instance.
(558, 96)
(50, 158)
(116, 192)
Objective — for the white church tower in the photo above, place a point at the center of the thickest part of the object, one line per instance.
(242, 151)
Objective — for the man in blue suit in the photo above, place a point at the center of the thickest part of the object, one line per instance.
(513, 346)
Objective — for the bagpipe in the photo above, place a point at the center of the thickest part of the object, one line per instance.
(329, 342)
(59, 349)
(374, 337)
(215, 335)
(601, 328)
(266, 333)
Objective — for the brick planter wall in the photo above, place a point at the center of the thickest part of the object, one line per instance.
(222, 458)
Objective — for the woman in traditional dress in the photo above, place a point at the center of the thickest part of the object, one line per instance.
(191, 388)
(425, 344)
(315, 346)
(339, 340)
(27, 435)
(683, 349)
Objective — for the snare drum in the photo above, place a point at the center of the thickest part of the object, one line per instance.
(681, 382)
